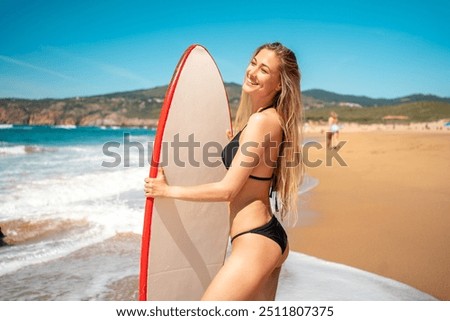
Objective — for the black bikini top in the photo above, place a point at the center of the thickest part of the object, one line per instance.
(232, 147)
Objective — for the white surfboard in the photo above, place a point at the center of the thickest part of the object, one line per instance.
(184, 243)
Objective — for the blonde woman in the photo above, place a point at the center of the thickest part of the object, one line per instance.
(264, 157)
(333, 130)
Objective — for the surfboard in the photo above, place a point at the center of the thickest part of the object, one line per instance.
(184, 243)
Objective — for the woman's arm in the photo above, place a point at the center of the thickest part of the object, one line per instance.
(214, 192)
(248, 156)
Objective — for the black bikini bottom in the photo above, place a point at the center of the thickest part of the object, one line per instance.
(273, 230)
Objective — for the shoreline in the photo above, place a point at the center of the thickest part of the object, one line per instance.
(385, 212)
(319, 128)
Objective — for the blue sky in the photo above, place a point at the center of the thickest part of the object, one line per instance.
(379, 48)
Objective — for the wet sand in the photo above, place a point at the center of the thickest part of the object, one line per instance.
(108, 270)
(387, 211)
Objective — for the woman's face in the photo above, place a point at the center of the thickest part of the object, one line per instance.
(262, 76)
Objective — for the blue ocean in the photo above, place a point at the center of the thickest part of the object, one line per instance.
(72, 207)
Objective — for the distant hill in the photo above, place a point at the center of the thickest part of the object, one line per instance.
(142, 107)
(130, 108)
(330, 98)
(233, 92)
(419, 111)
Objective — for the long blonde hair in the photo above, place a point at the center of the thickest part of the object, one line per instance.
(288, 103)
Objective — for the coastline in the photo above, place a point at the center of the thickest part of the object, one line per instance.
(386, 212)
(108, 270)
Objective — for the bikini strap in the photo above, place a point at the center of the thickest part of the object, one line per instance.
(258, 178)
(261, 110)
(273, 192)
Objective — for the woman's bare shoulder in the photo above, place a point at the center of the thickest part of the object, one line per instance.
(264, 119)
(264, 123)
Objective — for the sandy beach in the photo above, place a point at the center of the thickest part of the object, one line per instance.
(386, 210)
(384, 213)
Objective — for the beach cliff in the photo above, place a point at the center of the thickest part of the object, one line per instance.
(142, 108)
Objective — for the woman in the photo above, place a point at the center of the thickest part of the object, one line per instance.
(263, 156)
(334, 130)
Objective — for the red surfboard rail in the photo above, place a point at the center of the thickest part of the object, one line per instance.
(146, 234)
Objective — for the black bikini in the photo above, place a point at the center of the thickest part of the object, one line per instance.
(273, 229)
(230, 151)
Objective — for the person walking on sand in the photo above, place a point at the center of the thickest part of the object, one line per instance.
(333, 133)
(268, 138)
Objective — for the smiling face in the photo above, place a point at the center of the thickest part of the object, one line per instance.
(262, 77)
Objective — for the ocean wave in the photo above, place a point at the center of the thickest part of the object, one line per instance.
(48, 235)
(110, 127)
(60, 193)
(6, 126)
(12, 150)
(23, 149)
(113, 127)
(87, 150)
(25, 231)
(21, 255)
(65, 126)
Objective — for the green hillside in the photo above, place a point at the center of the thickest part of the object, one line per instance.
(330, 98)
(426, 111)
(142, 108)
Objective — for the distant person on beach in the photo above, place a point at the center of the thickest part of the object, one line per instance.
(333, 131)
(269, 139)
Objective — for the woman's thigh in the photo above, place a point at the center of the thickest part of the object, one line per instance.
(252, 260)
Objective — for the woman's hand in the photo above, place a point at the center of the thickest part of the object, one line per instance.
(156, 187)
